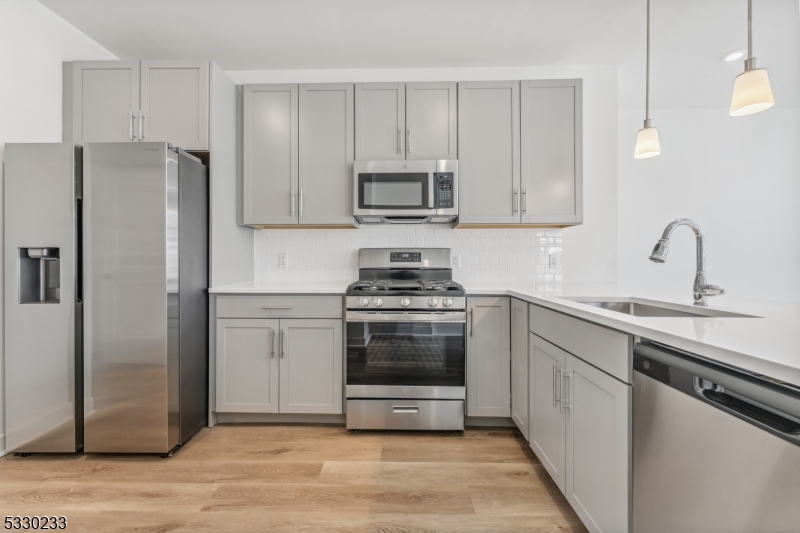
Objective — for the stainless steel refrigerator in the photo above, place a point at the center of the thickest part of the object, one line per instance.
(139, 260)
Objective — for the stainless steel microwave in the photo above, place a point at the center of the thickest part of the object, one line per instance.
(405, 192)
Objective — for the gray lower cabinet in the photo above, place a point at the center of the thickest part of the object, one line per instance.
(131, 100)
(519, 365)
(311, 366)
(247, 365)
(279, 366)
(431, 120)
(599, 441)
(380, 121)
(488, 149)
(551, 182)
(326, 154)
(548, 427)
(270, 154)
(488, 357)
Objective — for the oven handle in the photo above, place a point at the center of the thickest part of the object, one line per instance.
(450, 318)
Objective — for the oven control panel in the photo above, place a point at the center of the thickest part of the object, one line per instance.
(405, 257)
(443, 190)
(407, 303)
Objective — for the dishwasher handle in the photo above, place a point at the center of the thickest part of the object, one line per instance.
(769, 405)
(751, 412)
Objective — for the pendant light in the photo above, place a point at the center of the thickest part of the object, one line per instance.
(647, 144)
(751, 90)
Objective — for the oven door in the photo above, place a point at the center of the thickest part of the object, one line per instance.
(406, 355)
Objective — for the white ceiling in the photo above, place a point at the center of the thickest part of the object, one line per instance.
(688, 37)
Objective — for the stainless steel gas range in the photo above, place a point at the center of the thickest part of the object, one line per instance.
(406, 342)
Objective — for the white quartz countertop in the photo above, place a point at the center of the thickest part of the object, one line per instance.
(768, 345)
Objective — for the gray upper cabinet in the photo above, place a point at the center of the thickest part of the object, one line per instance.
(519, 365)
(598, 419)
(431, 120)
(548, 430)
(488, 357)
(270, 151)
(101, 101)
(552, 152)
(489, 152)
(174, 103)
(247, 365)
(326, 154)
(380, 121)
(311, 366)
(118, 101)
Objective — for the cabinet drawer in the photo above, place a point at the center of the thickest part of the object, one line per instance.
(279, 307)
(610, 351)
(423, 415)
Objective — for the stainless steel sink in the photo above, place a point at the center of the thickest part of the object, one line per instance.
(655, 309)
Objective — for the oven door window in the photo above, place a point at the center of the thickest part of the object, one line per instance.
(406, 353)
(393, 191)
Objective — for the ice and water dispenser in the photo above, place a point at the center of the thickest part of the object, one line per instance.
(39, 275)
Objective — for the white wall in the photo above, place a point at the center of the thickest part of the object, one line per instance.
(738, 177)
(589, 250)
(33, 43)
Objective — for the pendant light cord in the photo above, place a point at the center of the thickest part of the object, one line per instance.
(749, 29)
(647, 70)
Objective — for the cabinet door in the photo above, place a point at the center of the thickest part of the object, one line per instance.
(247, 365)
(519, 365)
(174, 104)
(598, 471)
(380, 121)
(488, 357)
(311, 366)
(552, 150)
(431, 120)
(547, 421)
(105, 101)
(326, 153)
(270, 154)
(488, 152)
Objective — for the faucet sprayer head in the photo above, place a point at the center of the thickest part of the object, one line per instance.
(660, 251)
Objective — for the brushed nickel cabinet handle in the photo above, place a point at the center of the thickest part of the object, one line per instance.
(408, 140)
(471, 329)
(141, 125)
(131, 125)
(564, 375)
(283, 343)
(292, 202)
(399, 141)
(276, 307)
(525, 201)
(274, 343)
(301, 202)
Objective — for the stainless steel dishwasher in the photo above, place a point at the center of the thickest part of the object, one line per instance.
(715, 449)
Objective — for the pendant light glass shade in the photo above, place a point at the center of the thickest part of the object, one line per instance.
(647, 144)
(751, 90)
(751, 93)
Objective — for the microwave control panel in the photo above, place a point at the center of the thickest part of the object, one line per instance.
(443, 190)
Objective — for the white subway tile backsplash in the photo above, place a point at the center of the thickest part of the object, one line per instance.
(505, 256)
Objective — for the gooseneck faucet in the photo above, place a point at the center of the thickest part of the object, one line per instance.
(702, 290)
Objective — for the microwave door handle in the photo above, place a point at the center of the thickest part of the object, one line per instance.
(431, 179)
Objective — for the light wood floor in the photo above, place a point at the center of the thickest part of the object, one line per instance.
(250, 478)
